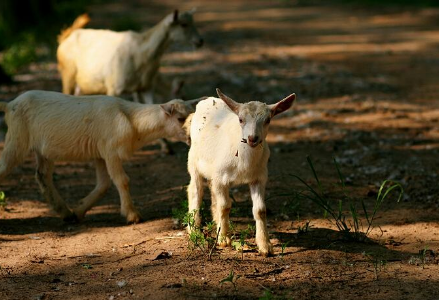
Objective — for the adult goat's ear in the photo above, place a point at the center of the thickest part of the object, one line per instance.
(233, 105)
(282, 105)
(193, 103)
(175, 19)
(168, 108)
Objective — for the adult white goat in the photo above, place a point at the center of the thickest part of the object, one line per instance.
(101, 128)
(112, 63)
(228, 148)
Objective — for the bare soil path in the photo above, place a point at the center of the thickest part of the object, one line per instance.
(367, 81)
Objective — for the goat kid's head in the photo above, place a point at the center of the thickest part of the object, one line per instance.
(254, 117)
(183, 28)
(176, 112)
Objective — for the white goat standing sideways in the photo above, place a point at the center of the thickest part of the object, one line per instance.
(228, 148)
(101, 128)
(111, 63)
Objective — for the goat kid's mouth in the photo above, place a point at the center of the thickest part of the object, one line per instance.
(251, 144)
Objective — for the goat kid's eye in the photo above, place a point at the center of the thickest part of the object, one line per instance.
(241, 121)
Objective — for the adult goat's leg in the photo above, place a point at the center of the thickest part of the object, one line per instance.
(68, 80)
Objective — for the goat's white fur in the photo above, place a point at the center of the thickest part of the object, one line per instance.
(112, 63)
(219, 155)
(101, 128)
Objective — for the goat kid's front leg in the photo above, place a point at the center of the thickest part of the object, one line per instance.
(103, 183)
(44, 177)
(195, 193)
(220, 194)
(121, 181)
(257, 191)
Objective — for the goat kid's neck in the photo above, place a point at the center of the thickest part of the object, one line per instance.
(150, 122)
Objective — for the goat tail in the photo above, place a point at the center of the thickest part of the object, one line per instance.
(79, 22)
(3, 106)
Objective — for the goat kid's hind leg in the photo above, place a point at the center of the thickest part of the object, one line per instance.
(195, 196)
(103, 183)
(10, 158)
(121, 181)
(220, 195)
(257, 191)
(44, 176)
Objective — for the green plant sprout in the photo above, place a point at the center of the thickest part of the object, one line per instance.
(352, 229)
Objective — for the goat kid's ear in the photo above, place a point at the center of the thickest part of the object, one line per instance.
(282, 105)
(168, 108)
(193, 103)
(233, 105)
(175, 19)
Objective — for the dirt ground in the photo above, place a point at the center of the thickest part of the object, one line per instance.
(367, 83)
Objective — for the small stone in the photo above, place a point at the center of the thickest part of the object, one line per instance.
(121, 283)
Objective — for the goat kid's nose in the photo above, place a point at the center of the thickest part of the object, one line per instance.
(253, 139)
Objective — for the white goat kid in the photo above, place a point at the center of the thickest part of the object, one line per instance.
(112, 63)
(228, 148)
(101, 128)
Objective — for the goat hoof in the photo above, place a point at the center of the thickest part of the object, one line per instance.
(79, 214)
(266, 251)
(71, 219)
(265, 254)
(225, 242)
(134, 218)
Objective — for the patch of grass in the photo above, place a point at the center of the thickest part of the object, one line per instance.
(87, 266)
(232, 278)
(202, 238)
(422, 256)
(377, 263)
(283, 247)
(350, 222)
(304, 228)
(420, 259)
(239, 237)
(179, 213)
